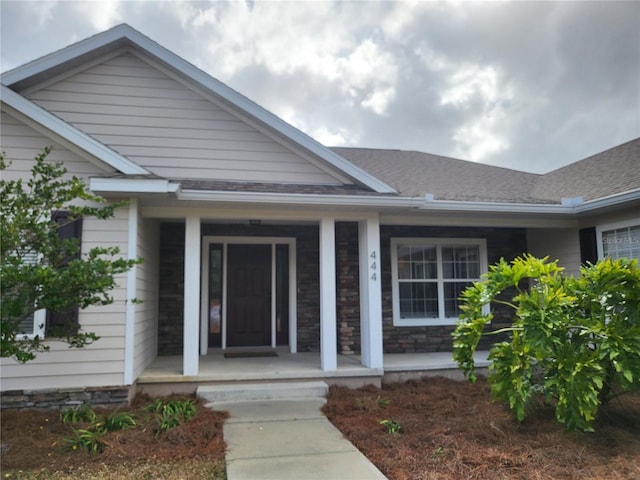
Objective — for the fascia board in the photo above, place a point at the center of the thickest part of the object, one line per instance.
(196, 75)
(491, 207)
(610, 201)
(69, 133)
(299, 199)
(54, 59)
(133, 185)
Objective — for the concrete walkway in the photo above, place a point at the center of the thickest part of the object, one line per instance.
(283, 439)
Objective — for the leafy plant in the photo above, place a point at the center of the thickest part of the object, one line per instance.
(115, 421)
(84, 413)
(383, 402)
(392, 426)
(575, 341)
(89, 441)
(172, 413)
(40, 270)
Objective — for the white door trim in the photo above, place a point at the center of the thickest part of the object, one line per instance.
(207, 240)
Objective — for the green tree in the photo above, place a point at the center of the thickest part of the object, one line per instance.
(40, 270)
(574, 342)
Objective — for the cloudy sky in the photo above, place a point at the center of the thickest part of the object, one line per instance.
(525, 85)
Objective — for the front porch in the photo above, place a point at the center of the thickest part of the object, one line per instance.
(164, 375)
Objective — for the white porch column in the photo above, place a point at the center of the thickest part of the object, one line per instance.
(328, 339)
(370, 293)
(191, 296)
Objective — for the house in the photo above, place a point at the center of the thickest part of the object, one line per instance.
(254, 235)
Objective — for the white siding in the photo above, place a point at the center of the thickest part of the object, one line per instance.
(146, 325)
(559, 244)
(100, 364)
(169, 129)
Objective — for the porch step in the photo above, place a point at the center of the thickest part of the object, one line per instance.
(262, 391)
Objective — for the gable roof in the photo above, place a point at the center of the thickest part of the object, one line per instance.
(612, 172)
(124, 37)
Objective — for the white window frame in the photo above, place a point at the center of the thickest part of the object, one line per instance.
(39, 319)
(481, 243)
(600, 229)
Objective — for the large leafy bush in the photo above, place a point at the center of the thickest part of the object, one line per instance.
(574, 342)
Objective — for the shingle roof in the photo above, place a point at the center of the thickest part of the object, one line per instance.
(414, 174)
(258, 187)
(613, 171)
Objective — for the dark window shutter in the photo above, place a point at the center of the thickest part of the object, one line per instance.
(65, 321)
(588, 245)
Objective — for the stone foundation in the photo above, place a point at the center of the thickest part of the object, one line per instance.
(59, 398)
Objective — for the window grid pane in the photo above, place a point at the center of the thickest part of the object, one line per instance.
(431, 277)
(418, 299)
(622, 242)
(452, 292)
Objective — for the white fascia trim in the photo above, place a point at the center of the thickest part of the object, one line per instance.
(65, 54)
(133, 185)
(69, 133)
(497, 207)
(298, 199)
(611, 200)
(490, 207)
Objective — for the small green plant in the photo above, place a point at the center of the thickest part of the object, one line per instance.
(115, 421)
(155, 406)
(84, 413)
(85, 440)
(383, 402)
(392, 426)
(172, 413)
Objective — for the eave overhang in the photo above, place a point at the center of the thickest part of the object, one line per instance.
(139, 186)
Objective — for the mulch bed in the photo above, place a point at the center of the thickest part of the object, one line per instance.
(34, 439)
(452, 430)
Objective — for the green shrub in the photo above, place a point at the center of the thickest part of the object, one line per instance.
(575, 341)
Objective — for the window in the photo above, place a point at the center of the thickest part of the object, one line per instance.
(428, 276)
(42, 322)
(619, 240)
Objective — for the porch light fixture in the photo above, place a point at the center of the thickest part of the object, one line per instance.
(255, 221)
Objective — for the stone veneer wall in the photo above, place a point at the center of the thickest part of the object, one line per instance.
(348, 287)
(170, 318)
(505, 243)
(65, 397)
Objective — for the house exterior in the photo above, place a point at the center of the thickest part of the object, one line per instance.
(255, 235)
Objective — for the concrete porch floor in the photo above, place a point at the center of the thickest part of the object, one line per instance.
(165, 373)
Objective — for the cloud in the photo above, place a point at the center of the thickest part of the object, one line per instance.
(530, 85)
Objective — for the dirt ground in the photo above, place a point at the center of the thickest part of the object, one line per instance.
(447, 430)
(33, 447)
(452, 430)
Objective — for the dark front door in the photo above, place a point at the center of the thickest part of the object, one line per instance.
(249, 295)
